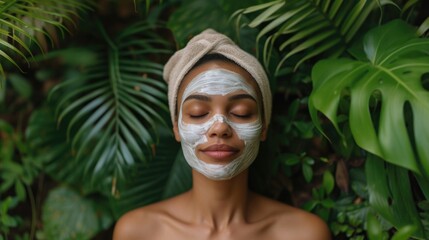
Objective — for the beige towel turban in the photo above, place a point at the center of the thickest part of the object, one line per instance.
(212, 42)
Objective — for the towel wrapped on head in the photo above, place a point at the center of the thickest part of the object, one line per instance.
(212, 42)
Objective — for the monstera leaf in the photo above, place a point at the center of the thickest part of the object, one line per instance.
(392, 74)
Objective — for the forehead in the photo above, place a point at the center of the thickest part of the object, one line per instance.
(216, 64)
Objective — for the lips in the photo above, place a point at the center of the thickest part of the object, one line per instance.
(220, 151)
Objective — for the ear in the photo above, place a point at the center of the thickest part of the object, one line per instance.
(264, 133)
(176, 131)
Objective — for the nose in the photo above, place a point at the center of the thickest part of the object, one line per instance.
(220, 129)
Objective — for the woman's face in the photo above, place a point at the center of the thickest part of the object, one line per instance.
(219, 118)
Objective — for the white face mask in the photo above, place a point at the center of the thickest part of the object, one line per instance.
(219, 82)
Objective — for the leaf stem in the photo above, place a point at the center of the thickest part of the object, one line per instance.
(33, 211)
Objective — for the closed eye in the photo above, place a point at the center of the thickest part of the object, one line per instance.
(244, 116)
(196, 116)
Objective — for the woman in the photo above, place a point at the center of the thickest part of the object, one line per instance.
(220, 104)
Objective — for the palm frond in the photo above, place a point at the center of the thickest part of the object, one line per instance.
(112, 113)
(308, 28)
(186, 21)
(166, 176)
(49, 148)
(24, 23)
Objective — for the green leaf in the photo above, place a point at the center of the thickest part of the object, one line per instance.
(266, 14)
(310, 205)
(318, 28)
(50, 147)
(67, 215)
(404, 233)
(397, 59)
(290, 159)
(328, 182)
(307, 171)
(328, 203)
(113, 108)
(424, 27)
(6, 127)
(374, 230)
(305, 129)
(21, 85)
(20, 190)
(31, 22)
(390, 195)
(186, 21)
(180, 177)
(166, 175)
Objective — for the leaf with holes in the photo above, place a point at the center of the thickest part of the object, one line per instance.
(397, 131)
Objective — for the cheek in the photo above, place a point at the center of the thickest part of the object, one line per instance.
(193, 134)
(249, 132)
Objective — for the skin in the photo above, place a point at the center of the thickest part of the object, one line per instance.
(220, 209)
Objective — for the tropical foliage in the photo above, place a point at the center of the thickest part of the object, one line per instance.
(388, 103)
(27, 23)
(85, 125)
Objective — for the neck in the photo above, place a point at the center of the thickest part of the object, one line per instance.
(219, 203)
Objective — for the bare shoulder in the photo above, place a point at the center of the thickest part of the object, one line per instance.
(144, 222)
(307, 226)
(136, 224)
(294, 222)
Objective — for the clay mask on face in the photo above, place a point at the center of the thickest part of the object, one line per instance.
(219, 82)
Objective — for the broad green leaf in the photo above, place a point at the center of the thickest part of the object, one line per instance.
(390, 194)
(397, 59)
(67, 215)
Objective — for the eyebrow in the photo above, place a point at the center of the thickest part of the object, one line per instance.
(198, 97)
(242, 96)
(231, 98)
